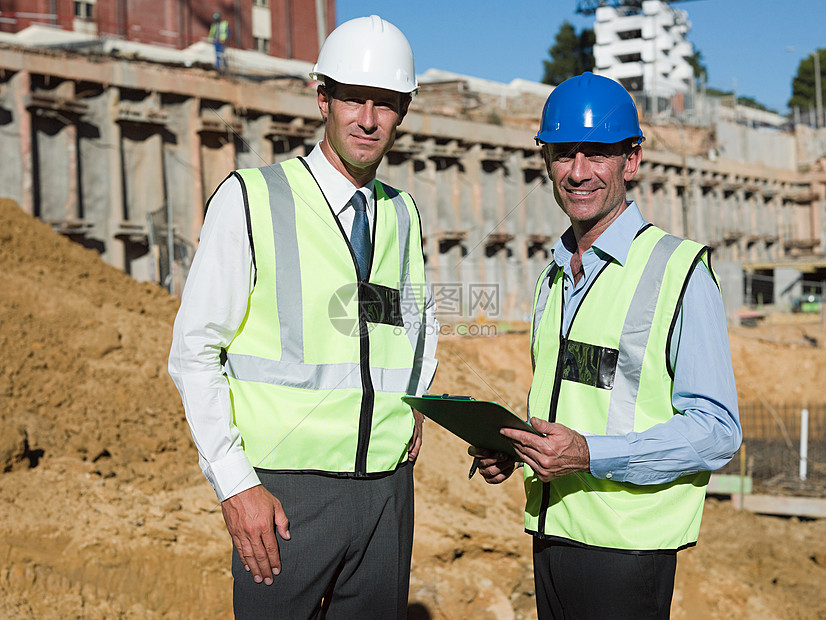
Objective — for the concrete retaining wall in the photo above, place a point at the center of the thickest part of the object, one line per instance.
(93, 145)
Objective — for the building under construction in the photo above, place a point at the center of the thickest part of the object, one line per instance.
(116, 149)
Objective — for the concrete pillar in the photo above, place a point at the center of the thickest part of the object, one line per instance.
(15, 123)
(474, 266)
(256, 148)
(521, 243)
(787, 286)
(444, 255)
(218, 130)
(658, 209)
(774, 250)
(673, 213)
(718, 229)
(144, 191)
(730, 278)
(514, 224)
(543, 224)
(730, 227)
(819, 206)
(107, 152)
(696, 215)
(784, 228)
(54, 147)
(182, 165)
(101, 175)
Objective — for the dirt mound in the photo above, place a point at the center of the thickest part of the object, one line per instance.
(84, 373)
(104, 512)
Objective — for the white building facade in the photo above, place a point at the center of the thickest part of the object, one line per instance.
(644, 47)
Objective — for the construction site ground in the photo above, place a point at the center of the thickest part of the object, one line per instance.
(104, 512)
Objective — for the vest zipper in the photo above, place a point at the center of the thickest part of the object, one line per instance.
(368, 395)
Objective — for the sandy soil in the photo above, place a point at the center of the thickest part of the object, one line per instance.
(104, 512)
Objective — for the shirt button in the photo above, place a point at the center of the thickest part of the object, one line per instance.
(609, 475)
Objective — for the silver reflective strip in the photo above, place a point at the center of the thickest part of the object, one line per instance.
(541, 302)
(287, 268)
(412, 316)
(411, 313)
(393, 380)
(313, 376)
(634, 338)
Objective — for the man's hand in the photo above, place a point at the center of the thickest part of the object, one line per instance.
(560, 452)
(415, 443)
(252, 517)
(495, 467)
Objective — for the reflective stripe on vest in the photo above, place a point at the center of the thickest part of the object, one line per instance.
(609, 376)
(634, 338)
(317, 388)
(314, 376)
(218, 32)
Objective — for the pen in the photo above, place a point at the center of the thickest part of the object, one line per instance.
(473, 467)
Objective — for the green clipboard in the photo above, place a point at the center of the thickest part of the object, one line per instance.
(476, 421)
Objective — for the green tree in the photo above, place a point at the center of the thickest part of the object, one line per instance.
(803, 84)
(700, 71)
(571, 54)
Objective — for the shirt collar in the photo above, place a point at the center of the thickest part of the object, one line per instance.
(337, 189)
(614, 242)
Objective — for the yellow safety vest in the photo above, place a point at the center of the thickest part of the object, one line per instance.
(320, 361)
(610, 375)
(219, 32)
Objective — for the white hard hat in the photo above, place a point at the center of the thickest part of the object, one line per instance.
(367, 51)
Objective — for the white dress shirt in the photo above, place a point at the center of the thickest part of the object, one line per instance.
(213, 305)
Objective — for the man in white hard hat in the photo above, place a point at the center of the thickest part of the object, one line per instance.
(305, 318)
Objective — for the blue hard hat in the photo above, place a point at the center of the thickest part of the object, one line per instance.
(589, 108)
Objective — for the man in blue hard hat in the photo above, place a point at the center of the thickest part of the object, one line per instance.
(633, 396)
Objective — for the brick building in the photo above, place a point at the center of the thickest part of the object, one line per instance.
(281, 28)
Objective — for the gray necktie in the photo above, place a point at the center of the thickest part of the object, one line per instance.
(360, 234)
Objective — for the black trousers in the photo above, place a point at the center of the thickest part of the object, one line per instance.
(349, 550)
(587, 583)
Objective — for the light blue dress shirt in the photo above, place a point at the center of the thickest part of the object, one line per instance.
(708, 433)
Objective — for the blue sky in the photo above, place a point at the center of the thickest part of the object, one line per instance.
(757, 43)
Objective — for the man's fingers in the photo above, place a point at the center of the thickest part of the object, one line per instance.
(264, 564)
(495, 473)
(522, 438)
(250, 557)
(543, 426)
(495, 467)
(282, 523)
(252, 517)
(273, 556)
(488, 456)
(414, 446)
(239, 548)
